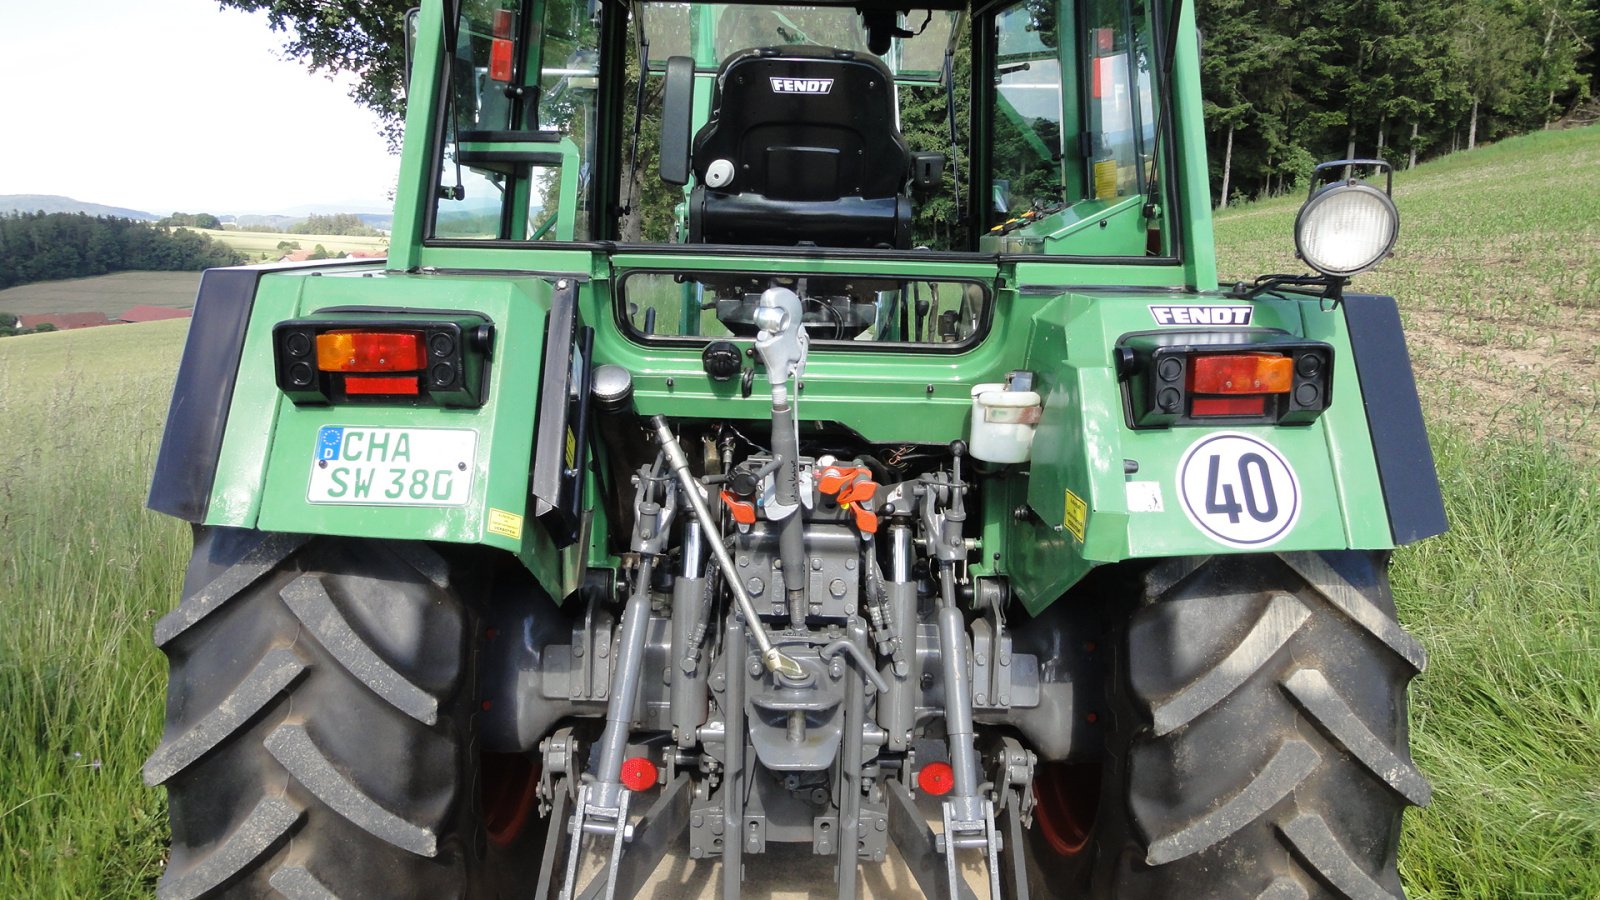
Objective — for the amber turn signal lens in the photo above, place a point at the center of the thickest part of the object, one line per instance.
(369, 351)
(1246, 373)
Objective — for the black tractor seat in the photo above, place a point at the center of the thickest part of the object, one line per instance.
(802, 147)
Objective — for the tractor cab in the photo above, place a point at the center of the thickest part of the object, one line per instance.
(1024, 127)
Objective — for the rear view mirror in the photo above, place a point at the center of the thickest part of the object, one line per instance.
(677, 118)
(412, 15)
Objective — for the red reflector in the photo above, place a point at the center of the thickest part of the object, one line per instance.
(355, 385)
(936, 779)
(500, 60)
(1229, 406)
(502, 23)
(1245, 373)
(369, 351)
(638, 773)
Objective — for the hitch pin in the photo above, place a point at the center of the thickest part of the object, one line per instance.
(773, 658)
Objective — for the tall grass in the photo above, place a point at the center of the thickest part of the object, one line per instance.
(1505, 719)
(84, 570)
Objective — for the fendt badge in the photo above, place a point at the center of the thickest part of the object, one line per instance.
(1201, 315)
(802, 85)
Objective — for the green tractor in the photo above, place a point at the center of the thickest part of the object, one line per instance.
(797, 425)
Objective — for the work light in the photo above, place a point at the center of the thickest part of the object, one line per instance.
(1348, 226)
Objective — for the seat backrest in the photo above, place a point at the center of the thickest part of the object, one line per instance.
(809, 131)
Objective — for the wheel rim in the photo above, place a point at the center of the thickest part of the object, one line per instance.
(1068, 798)
(510, 795)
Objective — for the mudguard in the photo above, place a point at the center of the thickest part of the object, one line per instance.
(1100, 490)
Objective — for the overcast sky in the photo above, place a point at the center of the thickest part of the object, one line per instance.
(176, 105)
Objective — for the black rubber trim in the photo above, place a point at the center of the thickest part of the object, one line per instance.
(1394, 416)
(187, 464)
(509, 137)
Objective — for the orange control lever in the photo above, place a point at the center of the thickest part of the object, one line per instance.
(859, 491)
(834, 478)
(742, 511)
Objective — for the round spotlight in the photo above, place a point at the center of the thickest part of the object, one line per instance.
(1346, 228)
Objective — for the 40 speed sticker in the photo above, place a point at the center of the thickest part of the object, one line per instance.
(1239, 490)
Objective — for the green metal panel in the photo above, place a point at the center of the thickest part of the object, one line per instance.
(265, 472)
(1084, 446)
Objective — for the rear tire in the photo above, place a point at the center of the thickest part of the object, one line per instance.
(1258, 746)
(319, 734)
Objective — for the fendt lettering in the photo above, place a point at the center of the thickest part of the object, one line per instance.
(1202, 315)
(802, 85)
(775, 480)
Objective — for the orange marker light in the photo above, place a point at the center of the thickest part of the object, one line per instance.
(369, 351)
(1245, 373)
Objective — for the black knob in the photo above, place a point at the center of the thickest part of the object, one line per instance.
(722, 360)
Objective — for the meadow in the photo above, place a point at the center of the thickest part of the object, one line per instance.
(1497, 271)
(257, 245)
(110, 294)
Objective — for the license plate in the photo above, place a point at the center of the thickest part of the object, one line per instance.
(392, 466)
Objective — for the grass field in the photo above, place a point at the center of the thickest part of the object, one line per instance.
(1508, 603)
(264, 244)
(110, 294)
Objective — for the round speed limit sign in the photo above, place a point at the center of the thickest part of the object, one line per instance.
(1239, 490)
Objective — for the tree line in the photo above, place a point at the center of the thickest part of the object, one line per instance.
(1288, 85)
(48, 246)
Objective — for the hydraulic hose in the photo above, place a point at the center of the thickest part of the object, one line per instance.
(773, 658)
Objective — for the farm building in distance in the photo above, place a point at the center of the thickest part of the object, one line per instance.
(63, 321)
(153, 314)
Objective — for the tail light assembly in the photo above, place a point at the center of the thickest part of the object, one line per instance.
(349, 357)
(1224, 378)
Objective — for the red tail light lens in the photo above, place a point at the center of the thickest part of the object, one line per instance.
(380, 385)
(370, 351)
(639, 773)
(1245, 373)
(936, 779)
(1229, 406)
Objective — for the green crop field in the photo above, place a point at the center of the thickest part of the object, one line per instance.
(110, 294)
(1497, 271)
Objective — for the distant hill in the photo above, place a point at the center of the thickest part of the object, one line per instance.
(52, 203)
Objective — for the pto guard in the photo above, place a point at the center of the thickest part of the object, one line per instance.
(391, 469)
(1101, 491)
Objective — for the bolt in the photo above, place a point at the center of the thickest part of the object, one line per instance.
(755, 667)
(816, 565)
(670, 381)
(836, 587)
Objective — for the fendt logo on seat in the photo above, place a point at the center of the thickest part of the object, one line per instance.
(1202, 315)
(802, 85)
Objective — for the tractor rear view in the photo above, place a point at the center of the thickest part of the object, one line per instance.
(725, 457)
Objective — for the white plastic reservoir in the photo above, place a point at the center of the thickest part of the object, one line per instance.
(1002, 423)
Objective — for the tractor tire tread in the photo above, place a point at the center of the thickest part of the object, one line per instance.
(257, 836)
(308, 598)
(293, 747)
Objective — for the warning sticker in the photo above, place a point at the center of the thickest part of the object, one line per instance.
(1145, 496)
(1077, 515)
(1239, 490)
(505, 524)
